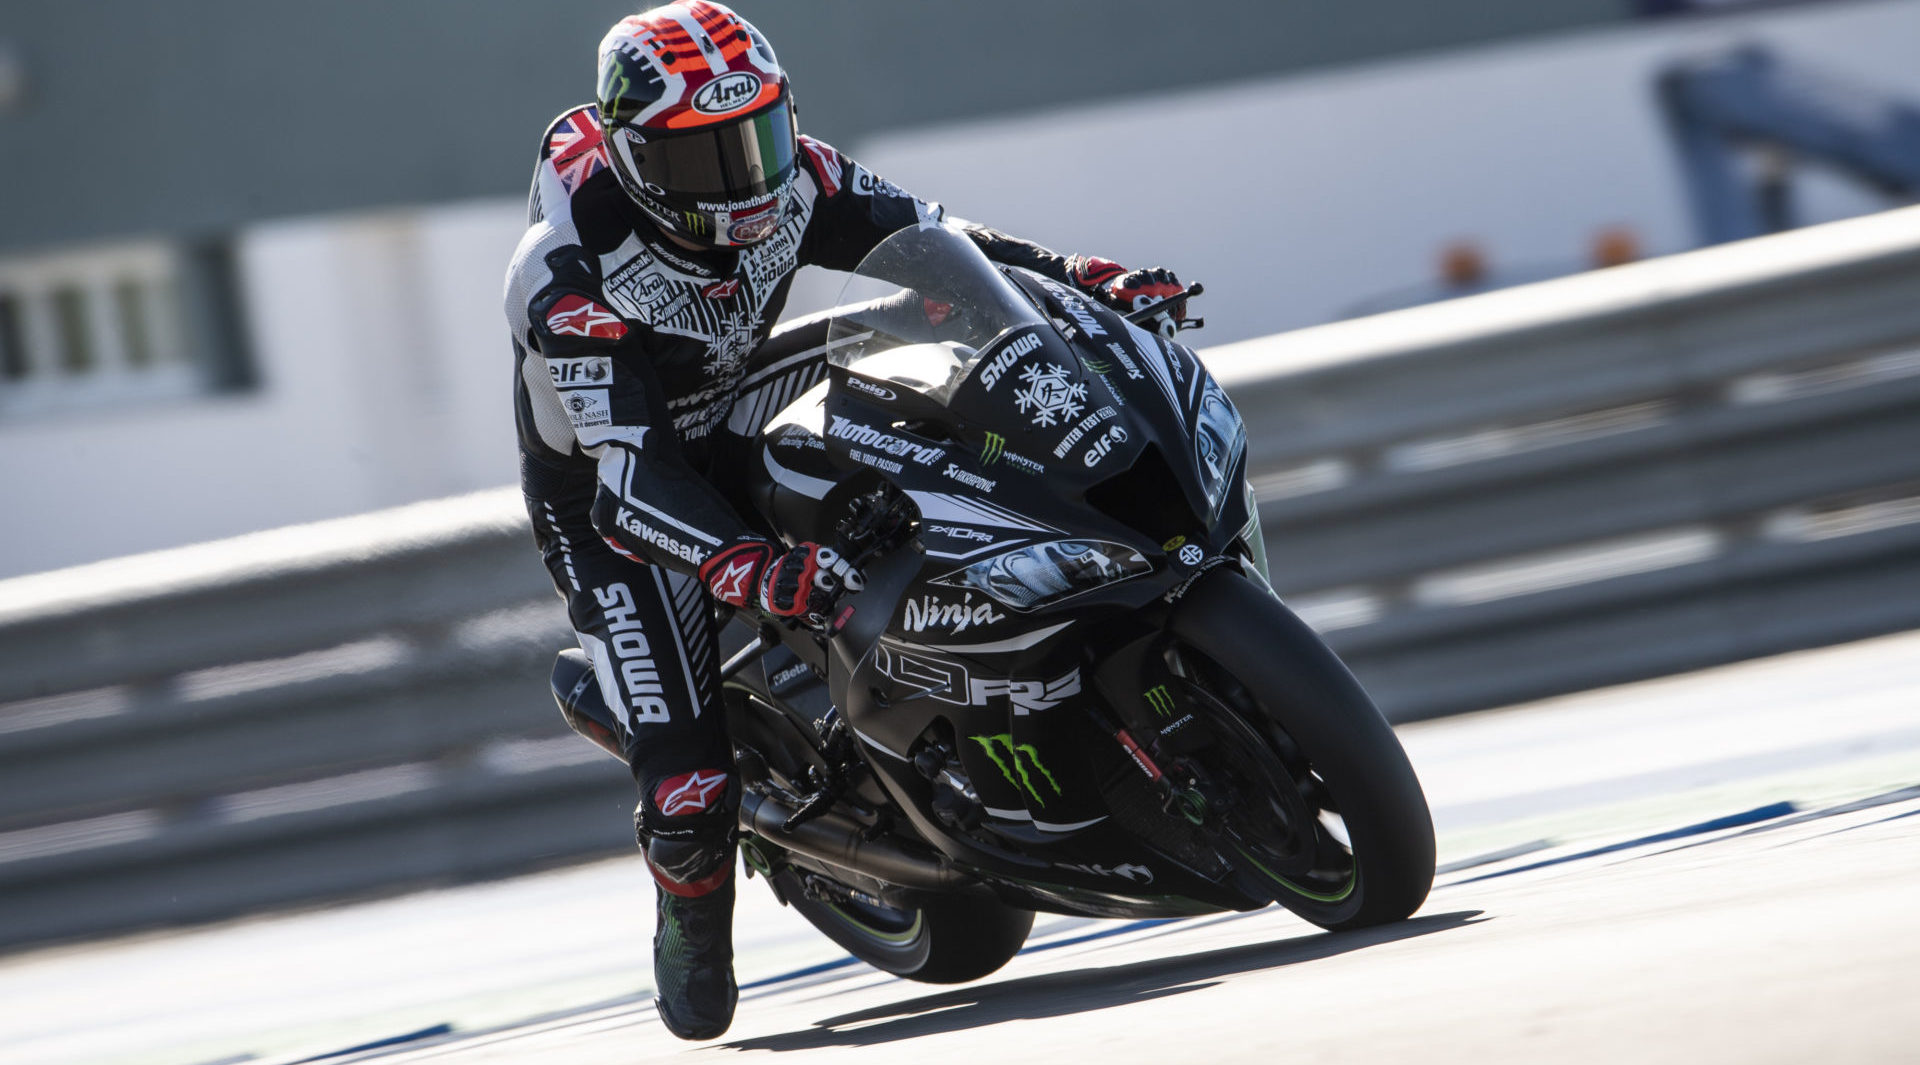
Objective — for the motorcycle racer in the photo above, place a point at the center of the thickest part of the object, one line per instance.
(666, 221)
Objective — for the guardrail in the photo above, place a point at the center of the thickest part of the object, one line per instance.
(1650, 469)
(1654, 468)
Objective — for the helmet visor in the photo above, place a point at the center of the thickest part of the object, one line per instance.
(740, 160)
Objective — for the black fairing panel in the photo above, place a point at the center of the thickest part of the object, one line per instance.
(1080, 432)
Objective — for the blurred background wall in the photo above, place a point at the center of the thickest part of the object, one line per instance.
(250, 254)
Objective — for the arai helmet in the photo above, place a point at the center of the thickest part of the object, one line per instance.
(699, 122)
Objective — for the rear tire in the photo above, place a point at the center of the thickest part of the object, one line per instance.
(1313, 715)
(944, 939)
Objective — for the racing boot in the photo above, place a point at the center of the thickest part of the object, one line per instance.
(693, 948)
(692, 866)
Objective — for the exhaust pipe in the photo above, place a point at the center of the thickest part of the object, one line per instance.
(835, 839)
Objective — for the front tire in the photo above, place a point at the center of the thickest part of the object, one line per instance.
(942, 939)
(1314, 723)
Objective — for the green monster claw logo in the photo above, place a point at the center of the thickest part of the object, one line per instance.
(1021, 756)
(1158, 698)
(614, 84)
(1101, 368)
(990, 452)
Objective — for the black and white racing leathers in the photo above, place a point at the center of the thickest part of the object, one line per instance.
(644, 373)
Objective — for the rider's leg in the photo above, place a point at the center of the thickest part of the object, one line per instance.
(652, 643)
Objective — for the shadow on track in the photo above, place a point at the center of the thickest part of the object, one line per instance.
(1082, 990)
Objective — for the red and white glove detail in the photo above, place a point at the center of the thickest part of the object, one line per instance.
(1090, 274)
(1143, 288)
(732, 575)
(1129, 290)
(804, 582)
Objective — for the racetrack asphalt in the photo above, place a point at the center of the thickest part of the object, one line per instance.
(1717, 867)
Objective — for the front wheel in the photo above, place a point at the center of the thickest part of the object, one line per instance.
(1317, 802)
(943, 939)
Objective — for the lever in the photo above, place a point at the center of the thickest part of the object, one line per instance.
(1151, 309)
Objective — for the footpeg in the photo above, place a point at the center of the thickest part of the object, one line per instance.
(827, 788)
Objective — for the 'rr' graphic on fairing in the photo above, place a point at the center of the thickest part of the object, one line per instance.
(1019, 764)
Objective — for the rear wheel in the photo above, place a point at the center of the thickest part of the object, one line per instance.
(1303, 782)
(941, 939)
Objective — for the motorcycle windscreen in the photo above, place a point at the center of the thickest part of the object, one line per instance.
(922, 307)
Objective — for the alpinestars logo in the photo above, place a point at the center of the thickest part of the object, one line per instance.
(728, 575)
(730, 584)
(581, 317)
(689, 793)
(1049, 395)
(1020, 764)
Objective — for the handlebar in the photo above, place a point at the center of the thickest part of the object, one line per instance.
(1156, 308)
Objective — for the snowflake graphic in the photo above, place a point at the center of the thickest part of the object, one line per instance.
(730, 345)
(1051, 397)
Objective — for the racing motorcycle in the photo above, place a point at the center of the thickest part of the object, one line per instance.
(1065, 685)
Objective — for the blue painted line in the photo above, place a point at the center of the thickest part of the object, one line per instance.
(1757, 814)
(1517, 851)
(1883, 799)
(798, 974)
(396, 1040)
(1132, 926)
(1868, 824)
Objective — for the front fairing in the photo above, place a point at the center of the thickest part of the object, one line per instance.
(1045, 436)
(1012, 412)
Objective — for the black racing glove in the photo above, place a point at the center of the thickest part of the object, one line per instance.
(1128, 290)
(805, 583)
(802, 583)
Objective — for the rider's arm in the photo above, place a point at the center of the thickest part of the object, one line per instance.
(650, 504)
(857, 209)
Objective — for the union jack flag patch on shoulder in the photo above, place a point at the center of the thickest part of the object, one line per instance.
(576, 148)
(827, 162)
